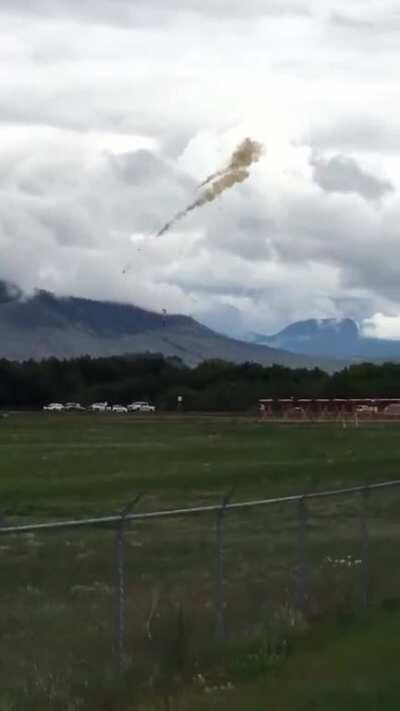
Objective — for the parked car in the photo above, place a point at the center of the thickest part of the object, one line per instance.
(73, 406)
(366, 409)
(141, 406)
(392, 409)
(147, 408)
(135, 406)
(99, 407)
(119, 408)
(54, 407)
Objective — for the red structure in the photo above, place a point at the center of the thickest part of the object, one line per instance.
(265, 407)
(320, 408)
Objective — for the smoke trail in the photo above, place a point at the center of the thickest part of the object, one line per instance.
(246, 153)
(176, 218)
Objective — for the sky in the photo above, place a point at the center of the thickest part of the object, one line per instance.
(112, 112)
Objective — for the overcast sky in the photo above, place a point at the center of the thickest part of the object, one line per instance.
(112, 112)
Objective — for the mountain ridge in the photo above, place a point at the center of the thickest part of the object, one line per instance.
(45, 325)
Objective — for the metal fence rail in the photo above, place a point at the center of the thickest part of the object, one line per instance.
(118, 523)
(171, 513)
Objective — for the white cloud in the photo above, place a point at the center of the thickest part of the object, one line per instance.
(112, 113)
(381, 326)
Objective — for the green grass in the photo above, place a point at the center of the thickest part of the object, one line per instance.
(57, 597)
(350, 664)
(62, 465)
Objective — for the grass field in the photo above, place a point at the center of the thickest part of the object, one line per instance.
(60, 465)
(57, 599)
(348, 664)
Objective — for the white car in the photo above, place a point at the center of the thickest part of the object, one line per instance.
(366, 409)
(99, 407)
(119, 408)
(135, 406)
(73, 406)
(54, 407)
(147, 408)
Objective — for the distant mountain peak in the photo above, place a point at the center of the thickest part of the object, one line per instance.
(323, 326)
(330, 337)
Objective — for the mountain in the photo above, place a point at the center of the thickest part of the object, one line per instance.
(332, 338)
(45, 325)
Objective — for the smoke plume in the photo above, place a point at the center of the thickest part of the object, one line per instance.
(246, 153)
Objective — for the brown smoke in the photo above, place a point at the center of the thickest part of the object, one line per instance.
(246, 153)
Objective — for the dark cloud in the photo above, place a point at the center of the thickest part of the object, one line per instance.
(376, 273)
(341, 174)
(365, 133)
(52, 107)
(359, 242)
(356, 308)
(9, 292)
(152, 182)
(141, 166)
(242, 234)
(68, 225)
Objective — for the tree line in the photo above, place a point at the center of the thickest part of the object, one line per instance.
(211, 386)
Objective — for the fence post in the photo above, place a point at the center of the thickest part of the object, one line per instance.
(301, 555)
(364, 494)
(220, 630)
(120, 582)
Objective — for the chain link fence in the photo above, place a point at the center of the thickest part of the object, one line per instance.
(149, 595)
